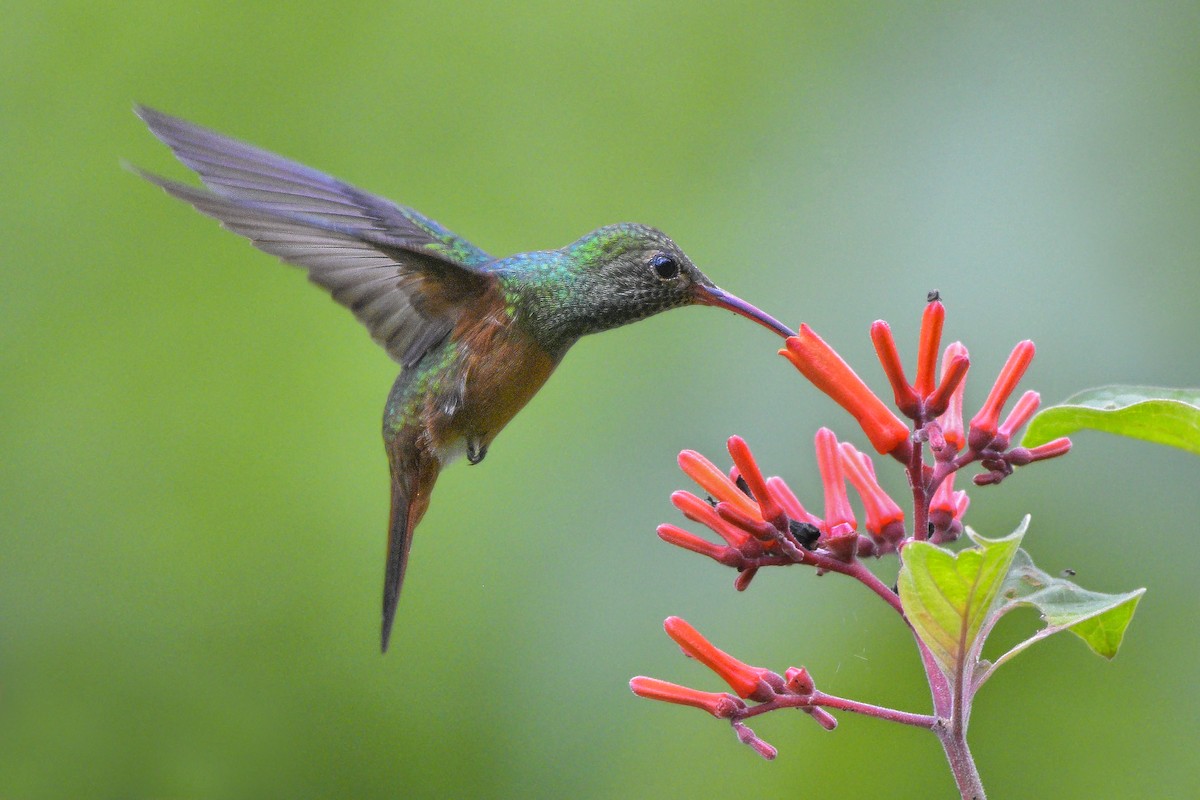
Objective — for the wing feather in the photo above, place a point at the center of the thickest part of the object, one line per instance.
(403, 275)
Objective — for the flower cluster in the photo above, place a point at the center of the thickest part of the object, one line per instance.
(761, 522)
(793, 689)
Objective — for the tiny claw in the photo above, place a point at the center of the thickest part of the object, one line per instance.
(475, 451)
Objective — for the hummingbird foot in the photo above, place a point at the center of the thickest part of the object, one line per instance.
(475, 451)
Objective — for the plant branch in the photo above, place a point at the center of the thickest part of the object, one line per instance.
(926, 721)
(820, 699)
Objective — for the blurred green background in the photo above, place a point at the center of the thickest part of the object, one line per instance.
(193, 491)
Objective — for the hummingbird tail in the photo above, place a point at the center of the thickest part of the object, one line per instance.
(410, 499)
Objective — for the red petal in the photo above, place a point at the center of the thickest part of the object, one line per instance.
(720, 705)
(828, 372)
(889, 357)
(690, 541)
(1025, 408)
(748, 467)
(829, 462)
(745, 680)
(698, 510)
(716, 482)
(984, 424)
(952, 420)
(881, 510)
(927, 350)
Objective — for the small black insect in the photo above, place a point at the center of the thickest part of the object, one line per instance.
(804, 533)
(745, 487)
(933, 296)
(1068, 573)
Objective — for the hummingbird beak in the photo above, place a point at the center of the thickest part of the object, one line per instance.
(712, 296)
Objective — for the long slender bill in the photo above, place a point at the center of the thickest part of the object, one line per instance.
(712, 296)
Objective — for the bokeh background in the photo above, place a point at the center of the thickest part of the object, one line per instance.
(192, 488)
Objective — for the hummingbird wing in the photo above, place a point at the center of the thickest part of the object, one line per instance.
(403, 275)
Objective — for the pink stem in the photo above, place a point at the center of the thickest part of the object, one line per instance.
(954, 742)
(925, 721)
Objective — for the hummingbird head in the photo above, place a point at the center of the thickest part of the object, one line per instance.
(621, 274)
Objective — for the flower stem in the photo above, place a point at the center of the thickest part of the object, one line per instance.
(954, 742)
(892, 715)
(926, 721)
(920, 491)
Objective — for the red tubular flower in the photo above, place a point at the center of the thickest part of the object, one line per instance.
(690, 541)
(720, 704)
(954, 371)
(927, 349)
(698, 510)
(951, 420)
(791, 504)
(1020, 456)
(889, 357)
(821, 364)
(748, 468)
(942, 501)
(745, 680)
(764, 532)
(984, 424)
(716, 482)
(829, 463)
(885, 519)
(1025, 408)
(946, 509)
(961, 502)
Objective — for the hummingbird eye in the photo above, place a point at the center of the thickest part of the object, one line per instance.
(665, 267)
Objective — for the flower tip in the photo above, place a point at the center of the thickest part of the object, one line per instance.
(829, 373)
(751, 480)
(889, 359)
(985, 424)
(672, 534)
(710, 478)
(742, 582)
(1021, 456)
(720, 705)
(823, 717)
(954, 370)
(928, 345)
(745, 680)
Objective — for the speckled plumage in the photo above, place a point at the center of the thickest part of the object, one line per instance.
(476, 337)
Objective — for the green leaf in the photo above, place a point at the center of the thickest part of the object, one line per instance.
(1099, 619)
(1156, 414)
(947, 597)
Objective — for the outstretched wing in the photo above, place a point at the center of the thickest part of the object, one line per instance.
(403, 275)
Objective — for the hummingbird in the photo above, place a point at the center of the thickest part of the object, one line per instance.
(475, 336)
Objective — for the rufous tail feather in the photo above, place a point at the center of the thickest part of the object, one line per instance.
(410, 499)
